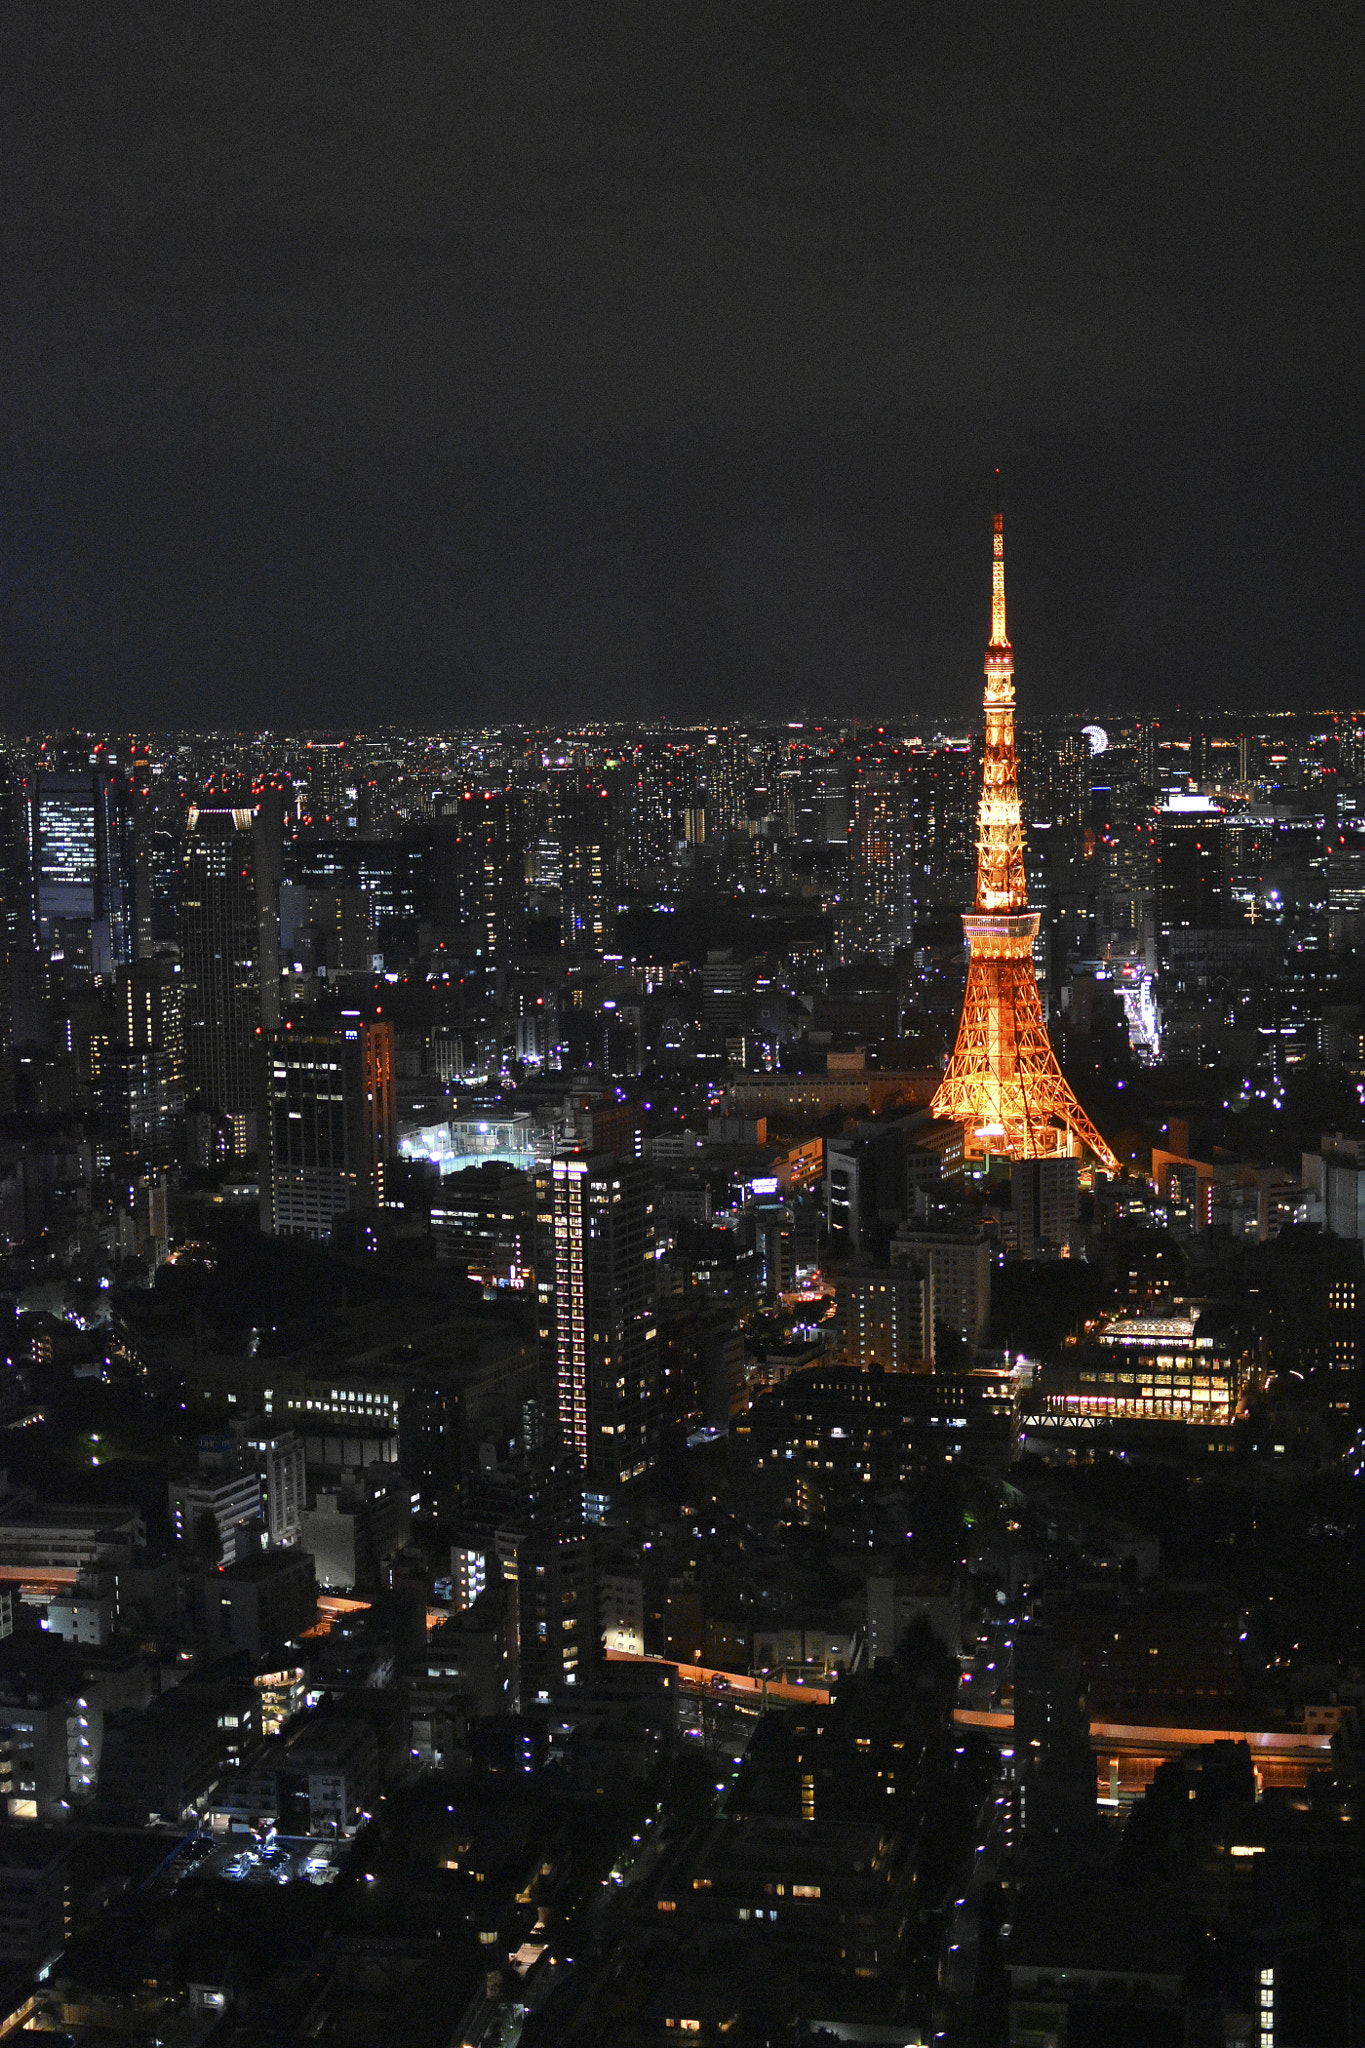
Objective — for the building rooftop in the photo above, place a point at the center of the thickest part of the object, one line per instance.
(794, 1848)
(1096, 1926)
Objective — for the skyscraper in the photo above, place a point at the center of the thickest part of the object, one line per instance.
(598, 1318)
(877, 913)
(140, 1084)
(220, 941)
(81, 860)
(477, 870)
(586, 874)
(113, 939)
(327, 1126)
(940, 826)
(16, 920)
(149, 1007)
(1190, 870)
(1003, 1083)
(16, 891)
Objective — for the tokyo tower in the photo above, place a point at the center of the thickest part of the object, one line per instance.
(1003, 1083)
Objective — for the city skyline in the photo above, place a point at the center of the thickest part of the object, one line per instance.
(683, 1302)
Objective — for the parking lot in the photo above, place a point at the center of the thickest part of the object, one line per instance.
(244, 1859)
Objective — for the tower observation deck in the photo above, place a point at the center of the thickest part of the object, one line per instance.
(1003, 1083)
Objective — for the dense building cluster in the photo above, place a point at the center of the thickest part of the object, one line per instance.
(546, 1495)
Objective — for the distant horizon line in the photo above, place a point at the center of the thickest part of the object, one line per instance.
(1179, 717)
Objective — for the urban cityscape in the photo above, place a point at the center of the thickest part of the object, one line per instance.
(585, 1307)
(682, 1025)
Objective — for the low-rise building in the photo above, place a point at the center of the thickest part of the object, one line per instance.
(352, 1530)
(1172, 1367)
(321, 1780)
(837, 1897)
(1078, 1953)
(231, 1501)
(255, 1606)
(34, 1897)
(158, 1763)
(837, 1427)
(53, 1702)
(86, 1613)
(50, 1541)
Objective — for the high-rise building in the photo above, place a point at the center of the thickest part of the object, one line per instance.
(220, 946)
(720, 778)
(887, 1317)
(430, 1448)
(1315, 1282)
(878, 910)
(16, 889)
(141, 1101)
(941, 844)
(1045, 1195)
(1003, 1083)
(392, 874)
(1190, 870)
(159, 856)
(327, 1125)
(560, 1642)
(958, 1265)
(150, 1009)
(1053, 775)
(17, 957)
(114, 936)
(477, 870)
(81, 860)
(280, 1459)
(587, 891)
(332, 791)
(63, 837)
(664, 789)
(595, 1282)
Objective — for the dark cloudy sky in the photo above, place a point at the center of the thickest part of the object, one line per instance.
(444, 362)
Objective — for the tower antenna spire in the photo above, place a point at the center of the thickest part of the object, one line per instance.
(999, 660)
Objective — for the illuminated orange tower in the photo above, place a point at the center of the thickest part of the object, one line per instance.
(1003, 1083)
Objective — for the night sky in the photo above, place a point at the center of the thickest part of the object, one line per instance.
(449, 363)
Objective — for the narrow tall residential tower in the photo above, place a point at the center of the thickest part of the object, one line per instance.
(596, 1294)
(220, 956)
(1003, 1083)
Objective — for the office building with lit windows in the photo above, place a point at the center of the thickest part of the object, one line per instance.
(150, 1012)
(877, 913)
(328, 1125)
(81, 861)
(1177, 1366)
(594, 1279)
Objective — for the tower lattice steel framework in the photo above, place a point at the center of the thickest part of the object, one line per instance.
(1003, 1083)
